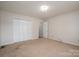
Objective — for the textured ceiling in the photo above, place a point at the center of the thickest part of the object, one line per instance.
(32, 8)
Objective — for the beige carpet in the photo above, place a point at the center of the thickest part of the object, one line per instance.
(40, 48)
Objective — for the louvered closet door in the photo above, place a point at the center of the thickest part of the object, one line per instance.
(22, 30)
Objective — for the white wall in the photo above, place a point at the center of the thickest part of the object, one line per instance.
(0, 28)
(6, 26)
(65, 28)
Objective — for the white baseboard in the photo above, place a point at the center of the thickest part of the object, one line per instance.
(69, 42)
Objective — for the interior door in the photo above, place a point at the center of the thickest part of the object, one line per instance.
(22, 30)
(45, 29)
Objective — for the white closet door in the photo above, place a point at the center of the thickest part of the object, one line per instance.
(22, 30)
(45, 29)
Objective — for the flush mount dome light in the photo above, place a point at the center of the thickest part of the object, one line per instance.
(44, 8)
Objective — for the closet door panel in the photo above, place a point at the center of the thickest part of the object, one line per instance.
(22, 30)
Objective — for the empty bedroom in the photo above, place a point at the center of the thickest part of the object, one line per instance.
(39, 28)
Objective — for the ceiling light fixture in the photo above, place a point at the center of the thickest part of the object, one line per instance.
(44, 8)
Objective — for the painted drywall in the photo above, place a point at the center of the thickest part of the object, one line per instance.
(6, 26)
(0, 29)
(65, 28)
